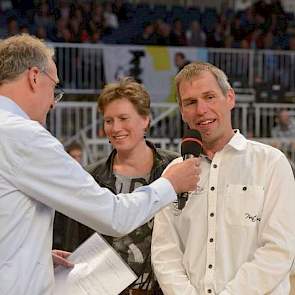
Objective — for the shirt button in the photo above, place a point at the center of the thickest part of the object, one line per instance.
(210, 266)
(244, 188)
(209, 291)
(211, 240)
(212, 188)
(214, 166)
(212, 214)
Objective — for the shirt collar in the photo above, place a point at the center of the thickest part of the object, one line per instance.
(9, 105)
(238, 141)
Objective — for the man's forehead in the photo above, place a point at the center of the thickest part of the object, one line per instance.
(195, 79)
(198, 76)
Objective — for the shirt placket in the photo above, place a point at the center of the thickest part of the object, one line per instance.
(211, 219)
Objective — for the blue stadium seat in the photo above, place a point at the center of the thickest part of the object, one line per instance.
(194, 13)
(291, 19)
(177, 12)
(159, 11)
(143, 9)
(208, 19)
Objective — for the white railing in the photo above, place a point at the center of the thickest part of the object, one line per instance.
(238, 64)
(68, 119)
(81, 66)
(276, 66)
(80, 121)
(95, 149)
(265, 117)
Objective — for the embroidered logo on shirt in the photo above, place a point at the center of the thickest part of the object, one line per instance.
(253, 218)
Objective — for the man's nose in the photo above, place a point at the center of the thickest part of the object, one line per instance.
(201, 107)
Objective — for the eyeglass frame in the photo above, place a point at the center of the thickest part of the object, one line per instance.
(58, 90)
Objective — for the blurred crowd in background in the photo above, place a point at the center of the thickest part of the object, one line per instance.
(260, 26)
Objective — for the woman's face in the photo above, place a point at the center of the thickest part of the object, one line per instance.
(123, 126)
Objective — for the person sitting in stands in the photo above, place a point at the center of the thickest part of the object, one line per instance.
(285, 127)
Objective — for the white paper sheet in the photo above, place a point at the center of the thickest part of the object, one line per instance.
(98, 270)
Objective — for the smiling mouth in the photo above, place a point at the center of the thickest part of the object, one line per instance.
(118, 137)
(206, 122)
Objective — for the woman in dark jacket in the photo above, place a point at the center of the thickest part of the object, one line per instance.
(134, 162)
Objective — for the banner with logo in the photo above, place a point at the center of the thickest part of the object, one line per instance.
(154, 66)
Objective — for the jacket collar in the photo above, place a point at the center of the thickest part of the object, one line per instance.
(104, 175)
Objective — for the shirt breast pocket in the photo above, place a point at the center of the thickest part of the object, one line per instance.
(243, 204)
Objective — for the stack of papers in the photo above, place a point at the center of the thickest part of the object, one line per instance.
(98, 270)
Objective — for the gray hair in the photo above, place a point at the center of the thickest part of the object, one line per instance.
(21, 52)
(194, 69)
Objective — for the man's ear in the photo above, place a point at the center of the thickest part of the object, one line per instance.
(33, 77)
(231, 98)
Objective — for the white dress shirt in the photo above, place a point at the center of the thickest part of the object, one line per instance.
(236, 234)
(37, 177)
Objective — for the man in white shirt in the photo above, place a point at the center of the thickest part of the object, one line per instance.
(37, 176)
(236, 234)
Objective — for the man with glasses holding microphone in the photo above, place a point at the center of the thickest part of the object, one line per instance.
(38, 177)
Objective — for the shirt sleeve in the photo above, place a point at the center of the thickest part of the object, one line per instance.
(167, 256)
(37, 165)
(272, 261)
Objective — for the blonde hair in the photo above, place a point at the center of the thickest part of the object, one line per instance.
(194, 69)
(21, 52)
(129, 89)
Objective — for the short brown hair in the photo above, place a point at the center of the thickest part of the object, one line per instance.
(129, 89)
(194, 69)
(21, 52)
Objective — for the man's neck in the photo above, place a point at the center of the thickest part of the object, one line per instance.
(210, 148)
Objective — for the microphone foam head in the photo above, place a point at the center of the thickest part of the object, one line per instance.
(191, 143)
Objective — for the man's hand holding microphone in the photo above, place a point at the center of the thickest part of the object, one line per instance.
(186, 175)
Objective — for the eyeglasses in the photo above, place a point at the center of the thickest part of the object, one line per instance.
(58, 91)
